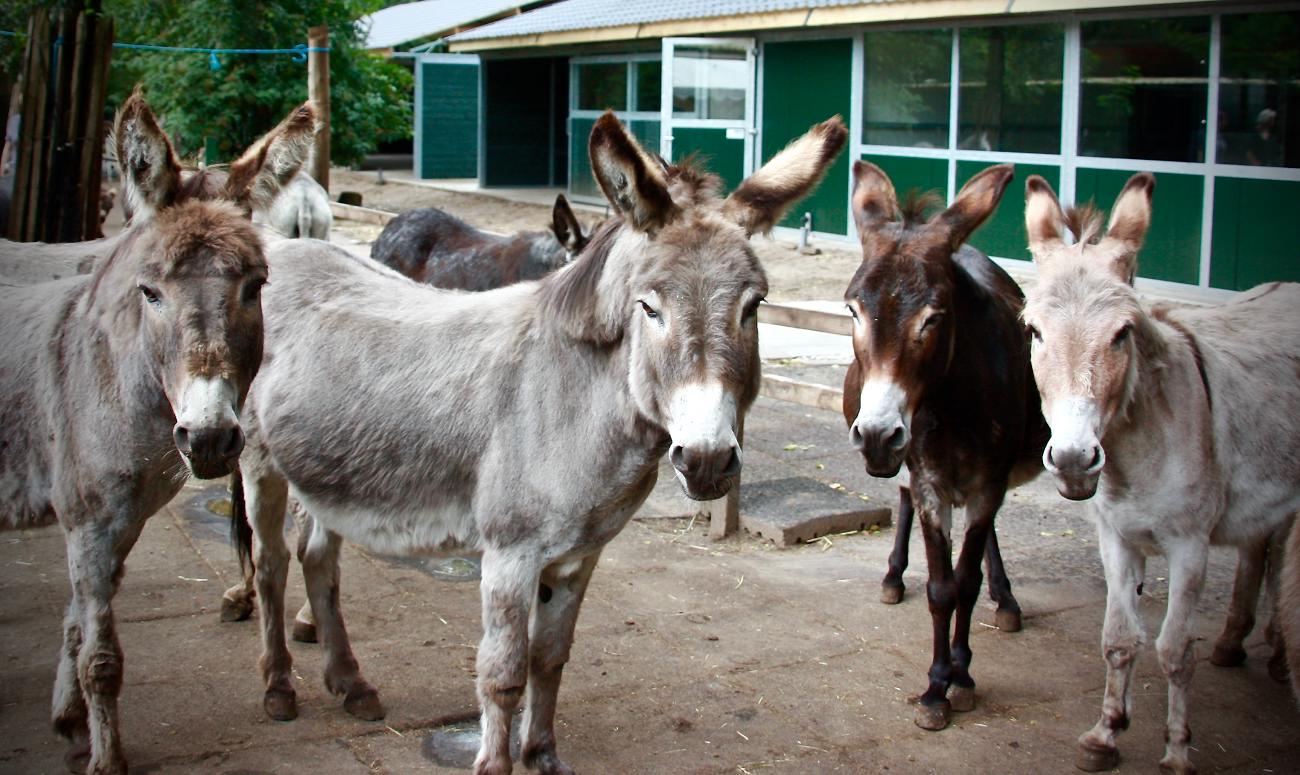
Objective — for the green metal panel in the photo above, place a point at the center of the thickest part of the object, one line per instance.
(581, 183)
(1003, 234)
(804, 83)
(1255, 232)
(1173, 245)
(448, 120)
(907, 173)
(725, 158)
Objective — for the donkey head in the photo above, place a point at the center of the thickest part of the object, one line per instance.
(191, 271)
(673, 276)
(901, 299)
(251, 182)
(567, 229)
(1088, 329)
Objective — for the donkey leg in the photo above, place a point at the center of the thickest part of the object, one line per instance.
(320, 569)
(1275, 560)
(509, 585)
(304, 622)
(891, 589)
(1122, 636)
(1176, 648)
(266, 495)
(980, 512)
(549, 640)
(237, 602)
(934, 712)
(96, 554)
(1228, 651)
(1007, 617)
(70, 716)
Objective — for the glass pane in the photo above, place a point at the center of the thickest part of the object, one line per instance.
(1011, 89)
(709, 83)
(1144, 89)
(602, 86)
(1259, 90)
(905, 89)
(649, 75)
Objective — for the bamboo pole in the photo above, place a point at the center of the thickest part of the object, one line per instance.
(318, 91)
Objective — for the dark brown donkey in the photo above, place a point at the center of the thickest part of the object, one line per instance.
(438, 248)
(117, 385)
(941, 382)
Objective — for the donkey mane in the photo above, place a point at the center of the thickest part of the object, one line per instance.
(918, 206)
(569, 296)
(1085, 223)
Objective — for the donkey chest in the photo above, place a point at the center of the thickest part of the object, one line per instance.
(444, 528)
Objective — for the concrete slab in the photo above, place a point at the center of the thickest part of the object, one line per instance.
(797, 509)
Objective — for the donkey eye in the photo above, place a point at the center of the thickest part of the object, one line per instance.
(150, 295)
(1035, 333)
(1122, 335)
(931, 321)
(853, 312)
(252, 290)
(650, 312)
(751, 309)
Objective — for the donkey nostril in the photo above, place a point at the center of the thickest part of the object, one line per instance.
(1050, 460)
(733, 464)
(855, 436)
(1096, 458)
(233, 443)
(896, 439)
(181, 435)
(678, 458)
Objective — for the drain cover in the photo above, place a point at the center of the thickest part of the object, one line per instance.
(456, 744)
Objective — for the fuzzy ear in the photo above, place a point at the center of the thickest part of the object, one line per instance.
(257, 177)
(1129, 220)
(1044, 218)
(762, 199)
(631, 179)
(150, 170)
(568, 232)
(873, 200)
(976, 201)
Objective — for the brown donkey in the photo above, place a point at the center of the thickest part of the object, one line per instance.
(524, 423)
(115, 386)
(1178, 426)
(941, 381)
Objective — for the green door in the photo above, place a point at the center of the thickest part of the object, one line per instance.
(707, 105)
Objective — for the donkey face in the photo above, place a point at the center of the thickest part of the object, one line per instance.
(676, 275)
(901, 302)
(198, 271)
(1085, 323)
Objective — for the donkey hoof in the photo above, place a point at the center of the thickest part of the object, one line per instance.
(236, 610)
(77, 757)
(304, 632)
(1228, 656)
(961, 698)
(891, 594)
(933, 717)
(547, 763)
(1277, 668)
(1096, 758)
(1007, 621)
(1177, 766)
(280, 705)
(362, 701)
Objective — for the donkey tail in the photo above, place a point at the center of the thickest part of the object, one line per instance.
(241, 530)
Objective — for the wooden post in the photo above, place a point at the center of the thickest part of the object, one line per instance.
(724, 513)
(318, 91)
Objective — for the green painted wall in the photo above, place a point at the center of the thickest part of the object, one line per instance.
(581, 183)
(1173, 246)
(805, 83)
(1003, 234)
(448, 120)
(724, 158)
(907, 173)
(1256, 232)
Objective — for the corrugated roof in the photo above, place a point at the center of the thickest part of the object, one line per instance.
(400, 24)
(598, 14)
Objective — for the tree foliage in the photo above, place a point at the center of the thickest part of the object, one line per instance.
(224, 109)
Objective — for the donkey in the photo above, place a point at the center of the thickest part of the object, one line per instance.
(115, 386)
(524, 424)
(941, 381)
(1289, 608)
(302, 210)
(1177, 425)
(437, 248)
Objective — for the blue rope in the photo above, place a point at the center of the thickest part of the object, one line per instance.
(299, 52)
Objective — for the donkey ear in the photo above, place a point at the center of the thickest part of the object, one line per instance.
(632, 181)
(873, 200)
(1129, 220)
(1044, 218)
(150, 170)
(760, 201)
(568, 232)
(976, 201)
(258, 176)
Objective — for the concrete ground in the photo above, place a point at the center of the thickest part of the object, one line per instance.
(691, 656)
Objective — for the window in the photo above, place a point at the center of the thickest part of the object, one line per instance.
(1011, 89)
(602, 85)
(649, 75)
(1259, 102)
(709, 83)
(905, 84)
(1144, 89)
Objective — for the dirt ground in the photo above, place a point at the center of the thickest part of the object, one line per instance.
(691, 656)
(791, 275)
